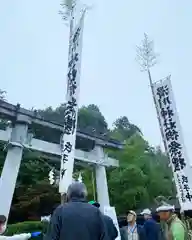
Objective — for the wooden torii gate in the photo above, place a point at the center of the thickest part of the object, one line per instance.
(19, 137)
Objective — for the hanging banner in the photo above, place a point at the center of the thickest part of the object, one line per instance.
(71, 111)
(174, 141)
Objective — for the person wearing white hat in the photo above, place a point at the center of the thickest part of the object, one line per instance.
(146, 213)
(152, 229)
(165, 208)
(176, 228)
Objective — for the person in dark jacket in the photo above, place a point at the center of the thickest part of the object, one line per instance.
(112, 230)
(132, 231)
(76, 219)
(151, 227)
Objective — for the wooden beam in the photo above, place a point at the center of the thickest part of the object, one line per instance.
(10, 112)
(55, 150)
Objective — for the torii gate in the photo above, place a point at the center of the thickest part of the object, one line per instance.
(19, 137)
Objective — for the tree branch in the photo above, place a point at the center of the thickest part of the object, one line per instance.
(145, 55)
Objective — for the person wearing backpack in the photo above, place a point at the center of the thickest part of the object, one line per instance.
(176, 229)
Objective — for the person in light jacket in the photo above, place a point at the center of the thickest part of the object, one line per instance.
(22, 236)
(176, 229)
(132, 231)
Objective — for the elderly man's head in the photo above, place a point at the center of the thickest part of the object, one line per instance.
(77, 190)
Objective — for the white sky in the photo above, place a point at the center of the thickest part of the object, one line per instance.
(34, 48)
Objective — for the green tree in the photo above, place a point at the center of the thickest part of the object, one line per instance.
(123, 129)
(54, 115)
(33, 196)
(90, 119)
(141, 177)
(2, 95)
(3, 122)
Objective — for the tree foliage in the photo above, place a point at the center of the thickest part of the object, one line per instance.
(143, 175)
(91, 119)
(123, 129)
(2, 95)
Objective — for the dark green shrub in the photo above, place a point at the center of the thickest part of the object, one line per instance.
(26, 227)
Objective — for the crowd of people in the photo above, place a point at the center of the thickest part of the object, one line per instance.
(79, 219)
(151, 229)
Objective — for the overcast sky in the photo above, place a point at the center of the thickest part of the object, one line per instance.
(34, 52)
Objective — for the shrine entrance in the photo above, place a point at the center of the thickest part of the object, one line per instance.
(21, 135)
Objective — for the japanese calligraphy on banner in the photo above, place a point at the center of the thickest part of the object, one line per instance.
(170, 125)
(71, 111)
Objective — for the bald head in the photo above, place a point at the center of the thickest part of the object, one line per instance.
(77, 190)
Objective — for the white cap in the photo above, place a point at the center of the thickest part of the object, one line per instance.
(165, 208)
(146, 211)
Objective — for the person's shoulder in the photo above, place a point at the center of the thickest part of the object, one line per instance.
(107, 218)
(178, 229)
(139, 226)
(150, 222)
(90, 207)
(81, 206)
(124, 228)
(57, 211)
(61, 208)
(178, 224)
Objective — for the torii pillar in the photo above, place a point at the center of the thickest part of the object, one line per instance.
(101, 179)
(12, 163)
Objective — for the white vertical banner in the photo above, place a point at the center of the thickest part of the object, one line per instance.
(71, 111)
(172, 134)
(110, 212)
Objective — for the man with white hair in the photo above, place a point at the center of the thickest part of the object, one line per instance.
(176, 228)
(151, 228)
(76, 219)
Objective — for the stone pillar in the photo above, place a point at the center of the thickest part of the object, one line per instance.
(101, 180)
(12, 163)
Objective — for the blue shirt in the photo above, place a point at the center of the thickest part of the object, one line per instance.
(133, 228)
(152, 229)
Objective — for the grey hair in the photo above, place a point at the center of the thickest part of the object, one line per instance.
(77, 190)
